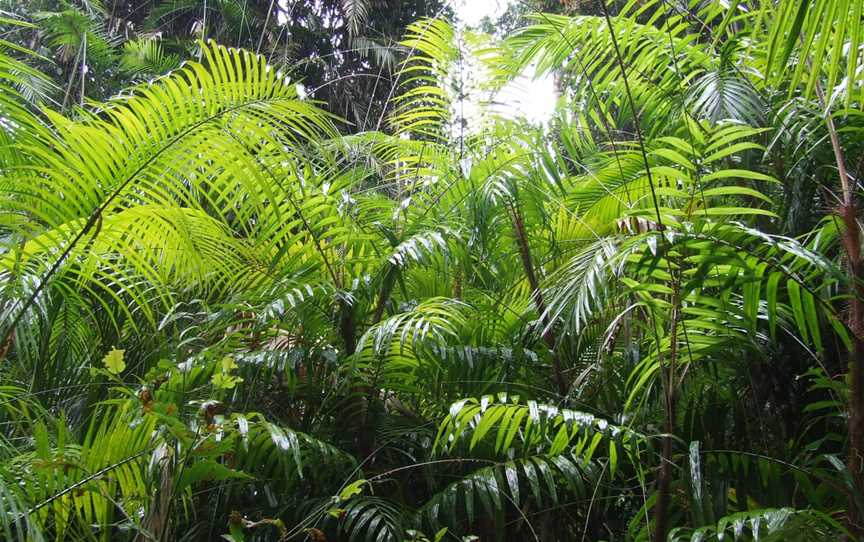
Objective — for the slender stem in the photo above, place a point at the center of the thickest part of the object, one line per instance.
(634, 111)
(384, 296)
(536, 294)
(83, 67)
(71, 80)
(266, 21)
(852, 245)
(661, 508)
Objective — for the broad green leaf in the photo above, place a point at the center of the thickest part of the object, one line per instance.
(794, 290)
(206, 471)
(114, 362)
(352, 489)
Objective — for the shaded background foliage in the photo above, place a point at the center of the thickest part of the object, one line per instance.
(343, 51)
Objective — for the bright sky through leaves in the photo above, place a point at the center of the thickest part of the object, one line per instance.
(526, 96)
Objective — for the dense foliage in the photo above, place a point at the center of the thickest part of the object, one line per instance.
(221, 316)
(344, 51)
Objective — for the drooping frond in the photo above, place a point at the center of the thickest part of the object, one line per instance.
(87, 189)
(505, 427)
(356, 12)
(423, 109)
(145, 57)
(824, 37)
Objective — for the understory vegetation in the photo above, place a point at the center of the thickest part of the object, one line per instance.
(228, 313)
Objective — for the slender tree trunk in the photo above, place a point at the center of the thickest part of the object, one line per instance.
(7, 345)
(848, 212)
(157, 523)
(855, 461)
(661, 507)
(537, 295)
(356, 420)
(348, 327)
(384, 295)
(368, 395)
(83, 68)
(71, 81)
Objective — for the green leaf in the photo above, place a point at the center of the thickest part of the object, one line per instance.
(771, 295)
(114, 362)
(207, 471)
(352, 489)
(225, 381)
(812, 316)
(228, 364)
(734, 191)
(797, 307)
(738, 174)
(730, 150)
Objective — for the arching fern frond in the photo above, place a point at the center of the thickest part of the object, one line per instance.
(145, 57)
(147, 149)
(424, 108)
(768, 524)
(505, 427)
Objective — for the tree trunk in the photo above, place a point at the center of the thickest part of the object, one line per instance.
(661, 507)
(537, 295)
(7, 345)
(855, 461)
(356, 419)
(852, 245)
(157, 522)
(384, 297)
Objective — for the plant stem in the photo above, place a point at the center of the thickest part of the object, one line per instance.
(661, 508)
(852, 245)
(536, 294)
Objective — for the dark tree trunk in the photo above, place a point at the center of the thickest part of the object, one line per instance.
(537, 295)
(852, 245)
(661, 507)
(855, 461)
